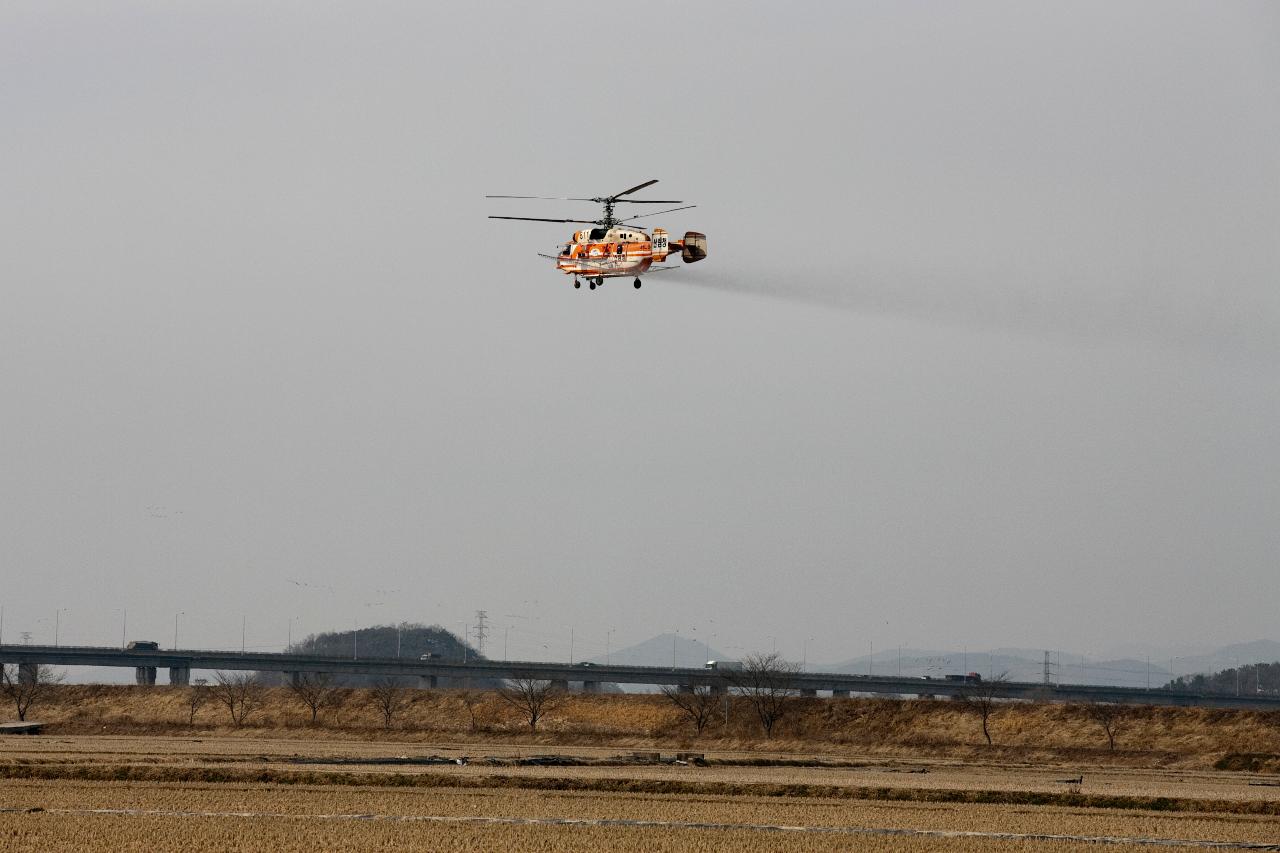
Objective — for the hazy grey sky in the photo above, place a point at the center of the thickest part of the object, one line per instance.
(985, 351)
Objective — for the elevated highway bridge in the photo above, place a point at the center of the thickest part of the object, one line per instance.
(440, 673)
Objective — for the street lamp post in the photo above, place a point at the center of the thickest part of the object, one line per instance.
(175, 626)
(57, 622)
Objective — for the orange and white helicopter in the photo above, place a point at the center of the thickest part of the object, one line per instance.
(617, 248)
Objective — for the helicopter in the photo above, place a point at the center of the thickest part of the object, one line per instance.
(617, 248)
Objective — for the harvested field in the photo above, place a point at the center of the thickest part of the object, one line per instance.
(122, 793)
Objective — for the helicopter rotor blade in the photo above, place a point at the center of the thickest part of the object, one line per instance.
(660, 212)
(649, 201)
(542, 197)
(541, 219)
(636, 187)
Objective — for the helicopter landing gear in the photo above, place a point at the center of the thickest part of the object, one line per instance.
(576, 284)
(592, 284)
(637, 284)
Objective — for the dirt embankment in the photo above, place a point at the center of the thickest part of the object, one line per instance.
(1145, 736)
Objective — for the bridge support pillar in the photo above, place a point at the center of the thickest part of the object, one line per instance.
(295, 678)
(590, 687)
(685, 688)
(808, 691)
(28, 673)
(560, 684)
(717, 689)
(839, 694)
(180, 675)
(427, 682)
(145, 675)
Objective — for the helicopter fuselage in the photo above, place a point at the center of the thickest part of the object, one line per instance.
(612, 252)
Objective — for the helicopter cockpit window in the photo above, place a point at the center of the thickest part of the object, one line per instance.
(598, 233)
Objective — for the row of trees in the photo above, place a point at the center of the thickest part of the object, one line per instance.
(766, 682)
(244, 693)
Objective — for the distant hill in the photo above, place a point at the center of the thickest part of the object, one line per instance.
(663, 650)
(408, 640)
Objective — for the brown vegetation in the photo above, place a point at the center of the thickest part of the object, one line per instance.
(1151, 736)
(389, 696)
(532, 697)
(316, 691)
(24, 688)
(768, 683)
(242, 693)
(697, 703)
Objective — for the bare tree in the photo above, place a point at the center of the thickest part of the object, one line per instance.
(241, 692)
(315, 690)
(1108, 715)
(471, 701)
(768, 683)
(982, 696)
(25, 686)
(389, 696)
(698, 703)
(198, 695)
(533, 697)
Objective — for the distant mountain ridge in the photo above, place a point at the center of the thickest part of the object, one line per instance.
(1064, 667)
(1018, 664)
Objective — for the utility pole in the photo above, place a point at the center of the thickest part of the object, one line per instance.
(1048, 672)
(482, 630)
(871, 660)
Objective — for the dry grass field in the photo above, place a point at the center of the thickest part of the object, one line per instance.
(121, 768)
(1147, 736)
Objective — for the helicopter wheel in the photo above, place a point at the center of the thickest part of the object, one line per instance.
(576, 284)
(599, 281)
(637, 284)
(592, 285)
